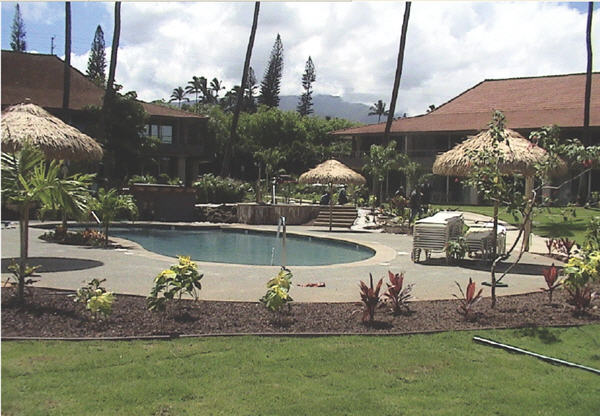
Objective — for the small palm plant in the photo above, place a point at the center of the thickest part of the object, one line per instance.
(108, 205)
(370, 297)
(396, 294)
(552, 281)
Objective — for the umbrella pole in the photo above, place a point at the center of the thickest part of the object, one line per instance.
(330, 204)
(529, 194)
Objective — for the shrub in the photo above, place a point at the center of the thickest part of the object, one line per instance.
(456, 249)
(95, 298)
(564, 246)
(278, 290)
(87, 237)
(142, 179)
(28, 271)
(370, 297)
(580, 273)
(397, 295)
(552, 281)
(468, 299)
(550, 242)
(592, 236)
(210, 188)
(179, 279)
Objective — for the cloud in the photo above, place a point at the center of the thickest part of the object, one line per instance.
(450, 47)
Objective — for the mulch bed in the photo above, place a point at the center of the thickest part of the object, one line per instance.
(51, 313)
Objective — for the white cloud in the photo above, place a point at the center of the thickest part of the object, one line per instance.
(451, 46)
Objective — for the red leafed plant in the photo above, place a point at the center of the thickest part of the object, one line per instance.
(551, 276)
(581, 298)
(396, 295)
(370, 297)
(564, 245)
(467, 300)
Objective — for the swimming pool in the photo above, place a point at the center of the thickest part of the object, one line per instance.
(244, 246)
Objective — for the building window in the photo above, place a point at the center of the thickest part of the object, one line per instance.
(163, 132)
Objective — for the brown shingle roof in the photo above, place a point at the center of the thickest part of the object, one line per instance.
(39, 77)
(526, 102)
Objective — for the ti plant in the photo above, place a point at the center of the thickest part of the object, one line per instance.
(468, 299)
(370, 297)
(179, 279)
(95, 298)
(564, 246)
(552, 281)
(396, 294)
(550, 242)
(278, 290)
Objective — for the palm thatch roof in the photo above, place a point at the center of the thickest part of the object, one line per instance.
(519, 155)
(332, 171)
(58, 140)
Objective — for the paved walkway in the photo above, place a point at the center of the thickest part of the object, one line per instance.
(131, 270)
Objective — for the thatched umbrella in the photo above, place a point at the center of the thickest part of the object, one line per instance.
(332, 172)
(519, 155)
(56, 139)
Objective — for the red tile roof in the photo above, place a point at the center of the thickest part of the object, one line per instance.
(39, 77)
(526, 102)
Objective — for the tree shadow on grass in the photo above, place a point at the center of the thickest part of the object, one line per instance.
(543, 334)
(54, 264)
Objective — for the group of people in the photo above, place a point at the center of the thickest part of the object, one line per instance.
(342, 197)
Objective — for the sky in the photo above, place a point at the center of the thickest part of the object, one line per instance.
(451, 46)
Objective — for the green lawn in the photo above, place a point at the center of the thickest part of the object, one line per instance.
(546, 223)
(442, 374)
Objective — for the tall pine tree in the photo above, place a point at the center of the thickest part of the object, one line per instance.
(271, 83)
(309, 76)
(96, 69)
(17, 34)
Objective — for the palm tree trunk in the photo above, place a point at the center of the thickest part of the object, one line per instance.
(67, 68)
(106, 234)
(392, 109)
(226, 168)
(588, 93)
(113, 52)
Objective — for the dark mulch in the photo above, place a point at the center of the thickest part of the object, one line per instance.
(50, 313)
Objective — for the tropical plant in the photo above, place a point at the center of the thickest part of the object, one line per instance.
(95, 298)
(278, 290)
(17, 32)
(580, 274)
(109, 205)
(215, 89)
(592, 236)
(20, 274)
(552, 281)
(370, 297)
(178, 95)
(564, 246)
(467, 300)
(305, 105)
(396, 294)
(378, 109)
(196, 86)
(271, 83)
(549, 244)
(179, 279)
(96, 68)
(28, 180)
(214, 189)
(456, 249)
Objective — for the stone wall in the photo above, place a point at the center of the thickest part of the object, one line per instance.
(269, 214)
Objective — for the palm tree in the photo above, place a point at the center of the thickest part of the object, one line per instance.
(194, 86)
(109, 205)
(236, 113)
(588, 93)
(388, 124)
(215, 87)
(67, 67)
(178, 95)
(378, 109)
(28, 180)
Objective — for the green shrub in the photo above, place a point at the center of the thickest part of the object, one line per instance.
(210, 188)
(456, 249)
(278, 290)
(174, 282)
(142, 179)
(95, 298)
(580, 274)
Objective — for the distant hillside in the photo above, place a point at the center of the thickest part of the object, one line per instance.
(329, 105)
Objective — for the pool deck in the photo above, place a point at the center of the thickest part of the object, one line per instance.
(131, 269)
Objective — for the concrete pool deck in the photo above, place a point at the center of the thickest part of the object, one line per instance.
(131, 269)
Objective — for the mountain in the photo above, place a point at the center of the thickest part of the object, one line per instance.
(332, 106)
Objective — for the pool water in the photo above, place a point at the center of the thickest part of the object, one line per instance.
(244, 246)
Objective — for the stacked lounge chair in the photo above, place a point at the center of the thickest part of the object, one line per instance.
(431, 234)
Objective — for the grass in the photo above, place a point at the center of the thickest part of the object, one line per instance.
(441, 374)
(547, 222)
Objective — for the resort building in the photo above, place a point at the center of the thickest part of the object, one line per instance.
(528, 104)
(39, 79)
